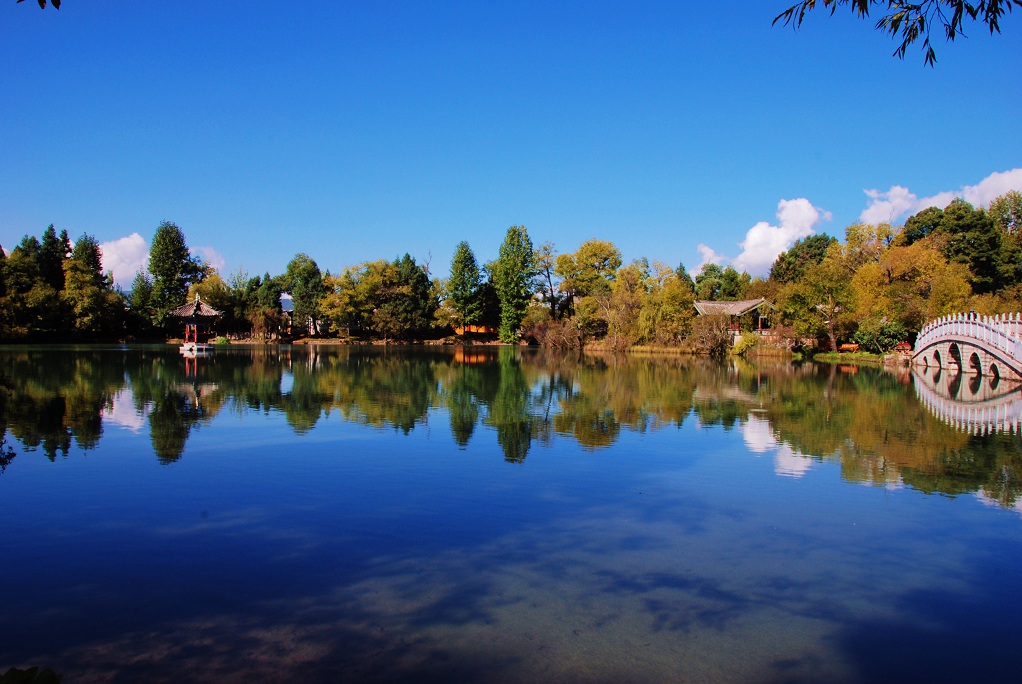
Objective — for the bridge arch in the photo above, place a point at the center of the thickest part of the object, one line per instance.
(975, 364)
(982, 346)
(954, 354)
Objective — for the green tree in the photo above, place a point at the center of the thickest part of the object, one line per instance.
(733, 285)
(31, 306)
(5, 331)
(879, 336)
(666, 311)
(971, 237)
(406, 306)
(3, 271)
(621, 307)
(264, 311)
(88, 295)
(866, 243)
(805, 253)
(387, 299)
(172, 268)
(353, 295)
(684, 277)
(141, 291)
(1006, 212)
(53, 252)
(267, 293)
(512, 277)
(819, 304)
(463, 286)
(913, 21)
(709, 282)
(590, 270)
(304, 281)
(829, 286)
(920, 225)
(214, 291)
(140, 304)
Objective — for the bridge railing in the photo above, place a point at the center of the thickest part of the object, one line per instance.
(1002, 332)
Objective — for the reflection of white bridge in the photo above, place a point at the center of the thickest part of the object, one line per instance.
(977, 345)
(971, 403)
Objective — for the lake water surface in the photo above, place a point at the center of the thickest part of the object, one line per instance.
(499, 515)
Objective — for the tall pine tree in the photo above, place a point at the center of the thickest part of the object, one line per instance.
(512, 276)
(463, 286)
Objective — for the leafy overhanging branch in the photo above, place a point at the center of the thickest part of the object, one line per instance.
(42, 3)
(912, 21)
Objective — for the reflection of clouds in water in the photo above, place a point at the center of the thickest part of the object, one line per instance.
(988, 499)
(790, 463)
(758, 434)
(122, 412)
(759, 438)
(606, 597)
(610, 594)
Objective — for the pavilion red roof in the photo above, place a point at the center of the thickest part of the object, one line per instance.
(196, 309)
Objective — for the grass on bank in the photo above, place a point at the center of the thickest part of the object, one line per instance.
(863, 358)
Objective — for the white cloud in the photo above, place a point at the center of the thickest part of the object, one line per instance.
(940, 200)
(211, 257)
(125, 256)
(763, 242)
(992, 187)
(899, 203)
(886, 206)
(708, 256)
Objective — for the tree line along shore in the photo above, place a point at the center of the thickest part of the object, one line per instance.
(876, 287)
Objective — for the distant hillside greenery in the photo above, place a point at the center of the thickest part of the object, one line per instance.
(877, 287)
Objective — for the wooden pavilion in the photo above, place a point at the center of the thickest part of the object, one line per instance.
(198, 317)
(735, 310)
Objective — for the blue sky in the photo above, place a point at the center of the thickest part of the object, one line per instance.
(358, 131)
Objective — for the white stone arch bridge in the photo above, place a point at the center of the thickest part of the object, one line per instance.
(987, 346)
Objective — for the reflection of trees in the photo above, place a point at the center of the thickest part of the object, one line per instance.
(991, 464)
(57, 398)
(304, 404)
(380, 388)
(510, 411)
(175, 399)
(869, 421)
(169, 426)
(461, 400)
(588, 414)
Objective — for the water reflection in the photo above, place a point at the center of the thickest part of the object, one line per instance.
(984, 404)
(868, 421)
(338, 514)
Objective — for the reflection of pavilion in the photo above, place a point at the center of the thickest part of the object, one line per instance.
(972, 403)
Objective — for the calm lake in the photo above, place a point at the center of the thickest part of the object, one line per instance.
(498, 515)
